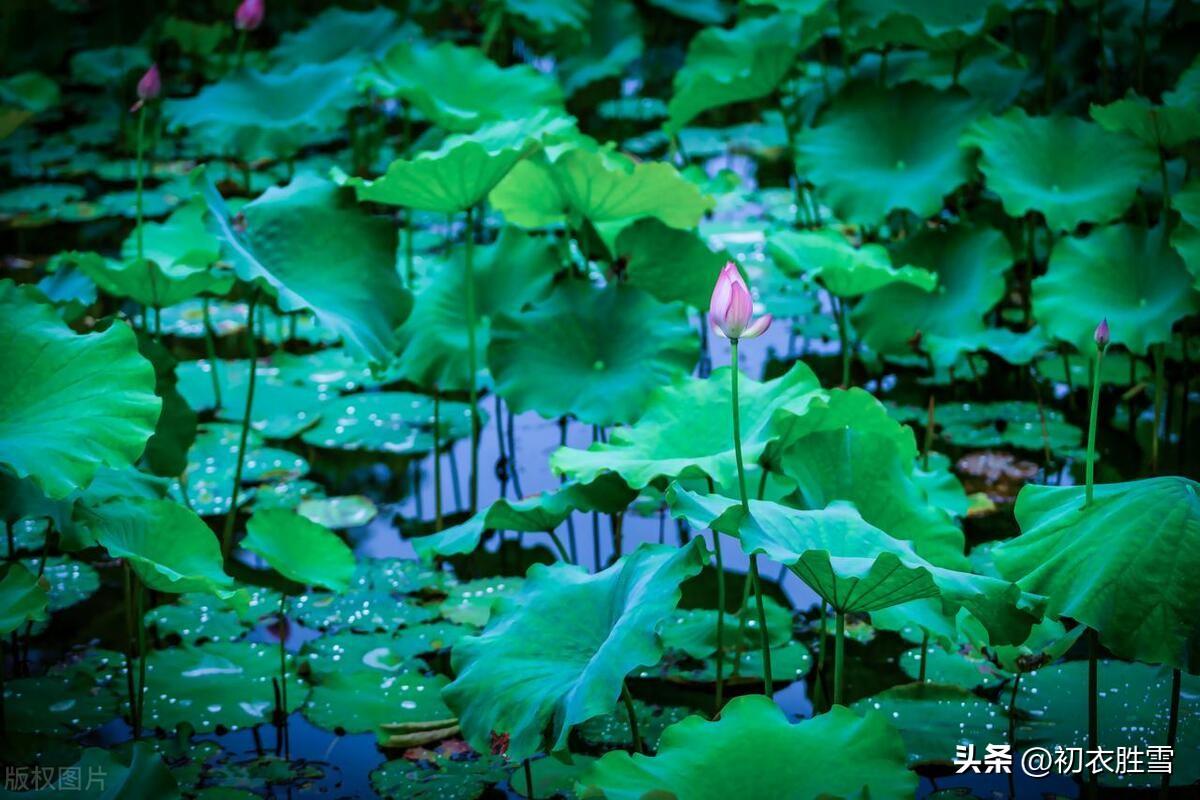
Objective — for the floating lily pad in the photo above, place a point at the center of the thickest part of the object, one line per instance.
(877, 149)
(694, 631)
(1093, 180)
(280, 411)
(968, 670)
(837, 754)
(212, 465)
(351, 511)
(612, 729)
(360, 611)
(74, 403)
(440, 778)
(348, 652)
(387, 422)
(472, 603)
(843, 269)
(587, 632)
(195, 619)
(933, 719)
(608, 348)
(60, 705)
(362, 701)
(67, 580)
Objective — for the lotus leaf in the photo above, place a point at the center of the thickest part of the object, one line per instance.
(340, 35)
(843, 269)
(300, 549)
(934, 719)
(387, 422)
(671, 264)
(613, 42)
(23, 599)
(927, 24)
(364, 700)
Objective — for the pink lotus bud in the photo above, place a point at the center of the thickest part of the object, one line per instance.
(1101, 335)
(149, 86)
(249, 15)
(731, 310)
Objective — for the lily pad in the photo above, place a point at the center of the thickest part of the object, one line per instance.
(387, 422)
(967, 670)
(347, 652)
(608, 348)
(612, 729)
(472, 603)
(351, 511)
(934, 719)
(196, 619)
(360, 611)
(1126, 274)
(583, 632)
(837, 754)
(74, 403)
(212, 465)
(441, 778)
(1023, 160)
(843, 269)
(1135, 542)
(58, 705)
(694, 630)
(300, 549)
(67, 580)
(876, 149)
(365, 700)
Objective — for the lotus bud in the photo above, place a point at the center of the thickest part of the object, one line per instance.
(1101, 335)
(149, 86)
(249, 15)
(731, 310)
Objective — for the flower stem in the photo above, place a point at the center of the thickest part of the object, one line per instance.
(627, 699)
(1172, 727)
(437, 459)
(819, 688)
(1093, 713)
(1090, 469)
(1012, 713)
(210, 350)
(720, 688)
(283, 702)
(528, 780)
(924, 656)
(741, 470)
(558, 545)
(231, 516)
(140, 588)
(472, 366)
(141, 251)
(839, 657)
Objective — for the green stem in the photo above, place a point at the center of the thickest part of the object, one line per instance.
(720, 688)
(408, 247)
(839, 657)
(437, 459)
(1172, 726)
(231, 517)
(129, 638)
(822, 640)
(140, 588)
(741, 634)
(1093, 714)
(528, 780)
(1012, 713)
(839, 314)
(241, 49)
(924, 656)
(558, 545)
(139, 233)
(1158, 405)
(627, 699)
(210, 351)
(1090, 469)
(741, 470)
(471, 361)
(283, 702)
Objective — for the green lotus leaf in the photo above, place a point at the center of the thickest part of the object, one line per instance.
(73, 403)
(725, 66)
(108, 66)
(612, 729)
(694, 631)
(22, 599)
(196, 619)
(933, 719)
(166, 451)
(1186, 236)
(299, 549)
(460, 88)
(856, 567)
(1011, 423)
(927, 24)
(843, 269)
(349, 652)
(608, 348)
(876, 149)
(790, 662)
(1024, 162)
(705, 12)
(613, 42)
(970, 263)
(148, 282)
(313, 248)
(966, 670)
(848, 449)
(195, 38)
(538, 513)
(1133, 700)
(280, 411)
(546, 18)
(603, 187)
(267, 114)
(473, 602)
(516, 270)
(671, 264)
(67, 581)
(838, 754)
(350, 511)
(686, 431)
(212, 463)
(339, 34)
(363, 701)
(183, 240)
(438, 777)
(1126, 274)
(1156, 125)
(387, 422)
(365, 611)
(40, 197)
(224, 684)
(189, 560)
(1126, 566)
(941, 486)
(59, 705)
(30, 91)
(558, 653)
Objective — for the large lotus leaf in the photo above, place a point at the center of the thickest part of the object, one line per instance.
(267, 114)
(602, 187)
(1133, 700)
(1026, 164)
(838, 754)
(280, 410)
(460, 88)
(362, 701)
(842, 268)
(1186, 236)
(548, 17)
(607, 348)
(848, 449)
(226, 684)
(300, 549)
(725, 66)
(136, 528)
(71, 404)
(934, 719)
(669, 263)
(538, 513)
(387, 422)
(183, 239)
(876, 149)
(557, 654)
(687, 431)
(338, 34)
(1126, 274)
(22, 599)
(1127, 566)
(613, 41)
(855, 566)
(314, 248)
(516, 270)
(927, 24)
(212, 463)
(1155, 125)
(30, 91)
(970, 263)
(149, 283)
(694, 630)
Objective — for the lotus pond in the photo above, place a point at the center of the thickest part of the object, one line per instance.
(600, 399)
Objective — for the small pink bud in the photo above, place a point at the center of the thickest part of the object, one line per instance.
(149, 86)
(1102, 335)
(731, 309)
(249, 15)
